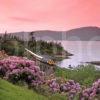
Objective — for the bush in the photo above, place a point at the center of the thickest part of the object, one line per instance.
(17, 69)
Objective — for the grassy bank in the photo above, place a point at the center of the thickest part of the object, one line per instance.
(85, 75)
(9, 91)
(12, 92)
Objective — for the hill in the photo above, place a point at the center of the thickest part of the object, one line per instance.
(9, 91)
(78, 34)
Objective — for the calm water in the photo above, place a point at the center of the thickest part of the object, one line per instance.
(84, 51)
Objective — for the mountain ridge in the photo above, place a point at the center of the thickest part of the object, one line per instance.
(79, 34)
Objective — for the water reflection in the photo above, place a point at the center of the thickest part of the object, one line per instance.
(84, 51)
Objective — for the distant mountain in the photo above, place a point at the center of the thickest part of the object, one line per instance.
(79, 34)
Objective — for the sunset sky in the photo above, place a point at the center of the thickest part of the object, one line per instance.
(27, 15)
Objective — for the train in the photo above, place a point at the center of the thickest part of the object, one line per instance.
(42, 59)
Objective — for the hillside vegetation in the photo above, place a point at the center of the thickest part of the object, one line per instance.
(15, 46)
(85, 75)
(9, 91)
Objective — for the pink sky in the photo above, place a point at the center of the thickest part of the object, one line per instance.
(27, 15)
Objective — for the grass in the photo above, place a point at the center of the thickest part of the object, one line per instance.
(9, 91)
(85, 75)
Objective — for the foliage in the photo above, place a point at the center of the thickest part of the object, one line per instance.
(16, 46)
(90, 93)
(17, 69)
(84, 74)
(12, 45)
(70, 87)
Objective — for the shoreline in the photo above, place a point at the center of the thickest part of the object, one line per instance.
(94, 62)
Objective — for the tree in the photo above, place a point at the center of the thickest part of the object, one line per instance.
(32, 38)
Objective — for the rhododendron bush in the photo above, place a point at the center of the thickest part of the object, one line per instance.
(73, 89)
(70, 87)
(92, 92)
(21, 69)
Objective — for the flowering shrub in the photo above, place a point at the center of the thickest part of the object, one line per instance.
(21, 69)
(90, 93)
(54, 86)
(73, 89)
(70, 87)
